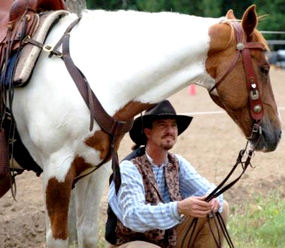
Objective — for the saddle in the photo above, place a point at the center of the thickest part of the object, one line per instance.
(18, 19)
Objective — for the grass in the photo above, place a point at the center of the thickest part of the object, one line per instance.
(259, 224)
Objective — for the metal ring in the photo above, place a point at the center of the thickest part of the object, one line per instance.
(47, 48)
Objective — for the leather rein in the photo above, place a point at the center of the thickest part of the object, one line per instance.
(113, 127)
(256, 111)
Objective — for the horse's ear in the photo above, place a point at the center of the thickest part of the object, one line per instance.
(230, 14)
(249, 22)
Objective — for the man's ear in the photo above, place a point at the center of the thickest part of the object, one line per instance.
(147, 132)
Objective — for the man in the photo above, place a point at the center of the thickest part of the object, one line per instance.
(161, 193)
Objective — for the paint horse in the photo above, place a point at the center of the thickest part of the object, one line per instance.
(133, 60)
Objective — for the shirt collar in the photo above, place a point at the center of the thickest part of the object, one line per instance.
(153, 164)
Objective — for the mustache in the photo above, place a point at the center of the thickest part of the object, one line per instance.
(168, 135)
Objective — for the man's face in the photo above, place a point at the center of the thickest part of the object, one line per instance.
(163, 133)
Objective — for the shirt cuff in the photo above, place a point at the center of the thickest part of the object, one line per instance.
(174, 211)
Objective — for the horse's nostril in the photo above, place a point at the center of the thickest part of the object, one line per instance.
(280, 134)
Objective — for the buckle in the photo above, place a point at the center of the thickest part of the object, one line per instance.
(49, 49)
(256, 129)
(26, 39)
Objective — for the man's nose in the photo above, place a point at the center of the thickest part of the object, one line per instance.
(171, 129)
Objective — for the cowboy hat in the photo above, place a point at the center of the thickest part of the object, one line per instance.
(163, 110)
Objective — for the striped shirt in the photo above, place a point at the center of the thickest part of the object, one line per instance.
(130, 207)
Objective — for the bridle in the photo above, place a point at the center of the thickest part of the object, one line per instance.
(256, 111)
(243, 49)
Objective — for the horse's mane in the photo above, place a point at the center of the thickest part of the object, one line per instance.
(257, 34)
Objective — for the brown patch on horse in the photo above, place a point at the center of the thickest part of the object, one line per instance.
(220, 56)
(80, 165)
(130, 110)
(100, 140)
(221, 49)
(58, 210)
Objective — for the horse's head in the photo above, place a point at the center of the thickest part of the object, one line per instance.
(237, 62)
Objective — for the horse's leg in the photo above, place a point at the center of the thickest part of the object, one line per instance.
(57, 191)
(88, 193)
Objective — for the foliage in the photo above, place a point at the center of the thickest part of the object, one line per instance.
(275, 9)
(260, 224)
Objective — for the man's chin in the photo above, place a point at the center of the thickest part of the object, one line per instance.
(167, 146)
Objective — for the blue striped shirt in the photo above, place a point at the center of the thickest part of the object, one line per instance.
(130, 206)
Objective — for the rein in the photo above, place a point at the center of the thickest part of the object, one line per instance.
(244, 157)
(113, 127)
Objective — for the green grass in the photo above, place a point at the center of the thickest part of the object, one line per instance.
(260, 223)
(257, 223)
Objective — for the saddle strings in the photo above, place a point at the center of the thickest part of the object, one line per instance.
(8, 92)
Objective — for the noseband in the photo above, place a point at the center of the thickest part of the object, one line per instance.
(243, 49)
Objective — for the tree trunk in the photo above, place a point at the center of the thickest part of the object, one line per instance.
(76, 6)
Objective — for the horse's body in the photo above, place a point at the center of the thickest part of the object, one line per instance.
(131, 60)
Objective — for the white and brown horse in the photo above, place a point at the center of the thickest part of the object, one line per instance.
(131, 60)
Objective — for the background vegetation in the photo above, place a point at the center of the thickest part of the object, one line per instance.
(274, 10)
(259, 223)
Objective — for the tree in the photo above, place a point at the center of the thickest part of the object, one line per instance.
(76, 6)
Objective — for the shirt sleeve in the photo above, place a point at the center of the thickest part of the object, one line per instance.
(130, 204)
(193, 184)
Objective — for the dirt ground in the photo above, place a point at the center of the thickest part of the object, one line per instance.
(211, 144)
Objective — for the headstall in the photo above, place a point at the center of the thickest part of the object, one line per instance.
(256, 112)
(243, 49)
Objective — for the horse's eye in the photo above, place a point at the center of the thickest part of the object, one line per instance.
(264, 70)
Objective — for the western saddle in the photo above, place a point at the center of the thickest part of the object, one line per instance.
(19, 18)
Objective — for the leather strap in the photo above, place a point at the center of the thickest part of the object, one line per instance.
(114, 128)
(97, 112)
(251, 79)
(243, 47)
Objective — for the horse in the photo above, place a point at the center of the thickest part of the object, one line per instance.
(133, 60)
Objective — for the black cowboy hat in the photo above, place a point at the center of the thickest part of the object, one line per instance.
(163, 110)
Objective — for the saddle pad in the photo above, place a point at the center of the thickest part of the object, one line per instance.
(30, 53)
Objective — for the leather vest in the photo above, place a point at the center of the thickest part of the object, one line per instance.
(163, 238)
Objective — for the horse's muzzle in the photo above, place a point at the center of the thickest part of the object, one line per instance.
(268, 141)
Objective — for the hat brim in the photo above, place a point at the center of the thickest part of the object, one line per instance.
(137, 135)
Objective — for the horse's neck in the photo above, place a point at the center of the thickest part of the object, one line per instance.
(134, 56)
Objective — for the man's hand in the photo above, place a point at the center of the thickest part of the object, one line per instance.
(197, 206)
(215, 205)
